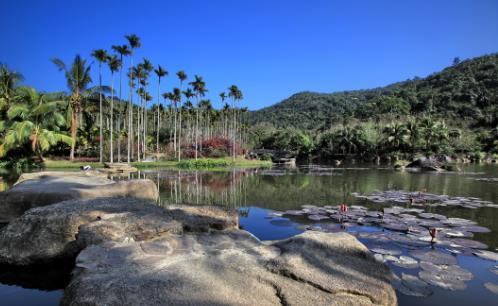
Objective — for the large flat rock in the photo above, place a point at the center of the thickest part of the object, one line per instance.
(132, 252)
(44, 188)
(61, 230)
(230, 268)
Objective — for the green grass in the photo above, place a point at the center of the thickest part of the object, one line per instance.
(203, 163)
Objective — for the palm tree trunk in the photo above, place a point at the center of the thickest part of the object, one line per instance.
(158, 125)
(119, 113)
(174, 134)
(130, 115)
(101, 157)
(180, 134)
(196, 128)
(139, 117)
(112, 119)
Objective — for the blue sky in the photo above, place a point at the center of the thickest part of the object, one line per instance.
(270, 49)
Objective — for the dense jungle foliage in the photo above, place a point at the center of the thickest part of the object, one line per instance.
(452, 111)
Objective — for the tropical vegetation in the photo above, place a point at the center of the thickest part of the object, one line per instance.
(96, 121)
(454, 111)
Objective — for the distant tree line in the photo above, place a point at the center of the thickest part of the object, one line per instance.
(452, 111)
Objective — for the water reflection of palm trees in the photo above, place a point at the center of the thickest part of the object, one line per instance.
(227, 188)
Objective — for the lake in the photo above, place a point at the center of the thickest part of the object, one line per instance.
(270, 203)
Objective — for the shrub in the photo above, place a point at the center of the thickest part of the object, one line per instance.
(218, 147)
(266, 157)
(203, 163)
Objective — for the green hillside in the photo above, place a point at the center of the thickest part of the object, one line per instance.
(465, 92)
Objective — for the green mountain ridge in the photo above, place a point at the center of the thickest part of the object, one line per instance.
(467, 90)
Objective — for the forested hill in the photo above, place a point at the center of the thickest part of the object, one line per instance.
(467, 90)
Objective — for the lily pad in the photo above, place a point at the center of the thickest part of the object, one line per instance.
(469, 243)
(395, 227)
(294, 212)
(443, 280)
(432, 216)
(487, 255)
(384, 251)
(458, 222)
(434, 256)
(317, 217)
(276, 214)
(413, 286)
(457, 233)
(474, 229)
(406, 262)
(491, 287)
(452, 271)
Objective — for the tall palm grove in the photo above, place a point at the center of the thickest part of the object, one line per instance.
(104, 122)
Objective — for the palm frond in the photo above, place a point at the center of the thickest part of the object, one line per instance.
(59, 63)
(19, 111)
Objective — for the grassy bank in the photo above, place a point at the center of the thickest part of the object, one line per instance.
(203, 163)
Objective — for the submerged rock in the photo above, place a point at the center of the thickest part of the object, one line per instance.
(309, 269)
(426, 164)
(45, 188)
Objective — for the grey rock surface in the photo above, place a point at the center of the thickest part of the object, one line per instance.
(45, 188)
(230, 267)
(61, 230)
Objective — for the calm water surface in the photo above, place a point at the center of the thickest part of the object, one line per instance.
(258, 192)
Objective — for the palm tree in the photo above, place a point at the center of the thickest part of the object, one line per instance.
(176, 98)
(147, 67)
(236, 94)
(160, 72)
(34, 121)
(169, 96)
(200, 90)
(182, 76)
(223, 97)
(122, 50)
(78, 78)
(114, 64)
(134, 42)
(101, 56)
(396, 136)
(8, 82)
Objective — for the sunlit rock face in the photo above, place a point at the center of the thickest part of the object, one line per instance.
(136, 253)
(45, 188)
(61, 230)
(230, 267)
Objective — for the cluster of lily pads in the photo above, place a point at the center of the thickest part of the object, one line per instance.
(403, 239)
(417, 198)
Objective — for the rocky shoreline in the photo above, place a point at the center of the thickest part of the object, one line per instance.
(131, 252)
